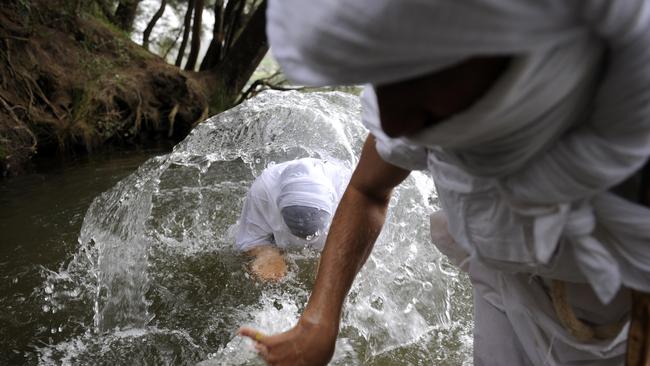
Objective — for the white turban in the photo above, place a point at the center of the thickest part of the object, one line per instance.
(377, 41)
(300, 184)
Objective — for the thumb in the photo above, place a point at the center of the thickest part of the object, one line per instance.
(252, 333)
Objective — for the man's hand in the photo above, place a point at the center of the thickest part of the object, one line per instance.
(268, 264)
(306, 344)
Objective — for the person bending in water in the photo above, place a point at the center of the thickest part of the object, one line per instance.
(290, 205)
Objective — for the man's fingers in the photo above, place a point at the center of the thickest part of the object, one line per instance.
(262, 350)
(274, 348)
(253, 334)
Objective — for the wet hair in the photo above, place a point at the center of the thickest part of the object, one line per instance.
(304, 221)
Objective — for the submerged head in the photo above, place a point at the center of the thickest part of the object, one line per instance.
(306, 198)
(305, 222)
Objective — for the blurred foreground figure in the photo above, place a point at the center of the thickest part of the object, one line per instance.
(290, 205)
(533, 117)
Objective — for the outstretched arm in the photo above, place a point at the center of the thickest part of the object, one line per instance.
(356, 225)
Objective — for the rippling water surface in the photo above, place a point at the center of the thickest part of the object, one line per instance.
(153, 278)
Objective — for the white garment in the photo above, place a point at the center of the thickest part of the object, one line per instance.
(306, 182)
(523, 175)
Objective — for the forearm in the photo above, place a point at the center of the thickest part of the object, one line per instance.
(356, 225)
(345, 252)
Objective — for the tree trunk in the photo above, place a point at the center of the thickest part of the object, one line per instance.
(213, 55)
(234, 17)
(125, 14)
(196, 35)
(241, 61)
(152, 24)
(171, 46)
(186, 33)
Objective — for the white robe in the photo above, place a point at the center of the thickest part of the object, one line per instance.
(524, 174)
(261, 222)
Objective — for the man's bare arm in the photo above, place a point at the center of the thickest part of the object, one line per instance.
(356, 225)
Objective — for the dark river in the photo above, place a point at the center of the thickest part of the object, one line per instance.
(40, 217)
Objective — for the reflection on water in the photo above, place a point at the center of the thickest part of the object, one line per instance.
(154, 280)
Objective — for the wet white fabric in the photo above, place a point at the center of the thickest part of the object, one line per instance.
(300, 184)
(523, 174)
(303, 182)
(532, 321)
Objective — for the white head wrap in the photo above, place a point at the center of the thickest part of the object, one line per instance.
(378, 41)
(302, 185)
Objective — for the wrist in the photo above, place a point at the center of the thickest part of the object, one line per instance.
(326, 326)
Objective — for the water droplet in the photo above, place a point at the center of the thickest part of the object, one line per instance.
(427, 286)
(258, 160)
(277, 304)
(377, 303)
(399, 280)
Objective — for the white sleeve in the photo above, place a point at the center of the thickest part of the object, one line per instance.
(615, 141)
(254, 229)
(395, 151)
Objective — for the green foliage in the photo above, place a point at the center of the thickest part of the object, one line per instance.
(94, 9)
(114, 28)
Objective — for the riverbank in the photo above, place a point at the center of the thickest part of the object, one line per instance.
(70, 82)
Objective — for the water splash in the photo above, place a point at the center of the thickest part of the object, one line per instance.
(155, 258)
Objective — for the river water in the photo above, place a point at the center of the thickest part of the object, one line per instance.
(146, 273)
